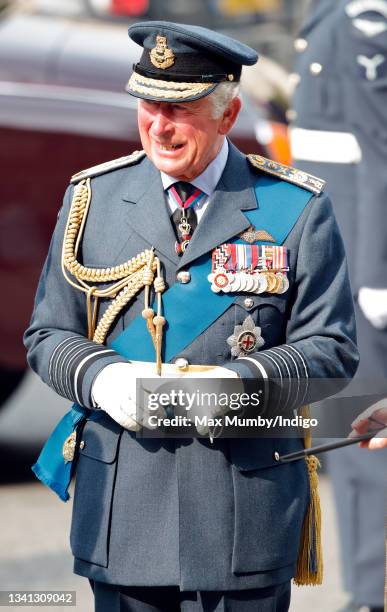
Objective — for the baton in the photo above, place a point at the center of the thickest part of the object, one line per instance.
(323, 448)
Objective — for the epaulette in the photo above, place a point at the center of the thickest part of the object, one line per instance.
(287, 173)
(114, 164)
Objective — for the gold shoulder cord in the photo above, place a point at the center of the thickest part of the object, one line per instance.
(127, 278)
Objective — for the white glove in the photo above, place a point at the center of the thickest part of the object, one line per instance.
(216, 375)
(373, 303)
(215, 372)
(114, 390)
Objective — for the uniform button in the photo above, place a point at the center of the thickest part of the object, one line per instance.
(294, 79)
(300, 44)
(276, 456)
(291, 115)
(249, 302)
(82, 444)
(182, 363)
(315, 68)
(183, 276)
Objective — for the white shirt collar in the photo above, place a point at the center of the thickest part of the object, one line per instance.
(209, 178)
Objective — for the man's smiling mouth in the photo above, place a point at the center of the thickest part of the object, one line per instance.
(172, 147)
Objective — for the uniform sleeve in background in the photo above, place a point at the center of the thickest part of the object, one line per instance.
(365, 91)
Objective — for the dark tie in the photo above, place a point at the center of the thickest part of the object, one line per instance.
(184, 218)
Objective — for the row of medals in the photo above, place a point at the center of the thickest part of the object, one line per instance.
(223, 280)
(251, 282)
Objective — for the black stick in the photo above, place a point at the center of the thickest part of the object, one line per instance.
(323, 448)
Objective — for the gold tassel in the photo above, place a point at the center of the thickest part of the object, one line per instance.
(309, 570)
(159, 321)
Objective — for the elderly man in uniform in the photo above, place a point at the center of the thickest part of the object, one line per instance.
(255, 287)
(339, 131)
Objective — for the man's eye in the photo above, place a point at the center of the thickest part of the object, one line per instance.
(150, 104)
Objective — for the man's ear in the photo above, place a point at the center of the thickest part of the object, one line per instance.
(230, 115)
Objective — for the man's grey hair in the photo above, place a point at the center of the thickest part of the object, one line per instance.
(222, 97)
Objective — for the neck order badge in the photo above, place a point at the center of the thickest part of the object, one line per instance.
(184, 218)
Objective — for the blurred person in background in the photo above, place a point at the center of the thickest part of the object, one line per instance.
(372, 418)
(339, 132)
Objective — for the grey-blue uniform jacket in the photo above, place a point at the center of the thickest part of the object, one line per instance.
(187, 512)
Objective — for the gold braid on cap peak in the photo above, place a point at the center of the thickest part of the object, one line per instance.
(127, 278)
(166, 89)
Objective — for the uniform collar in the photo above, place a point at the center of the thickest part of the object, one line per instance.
(209, 178)
(222, 220)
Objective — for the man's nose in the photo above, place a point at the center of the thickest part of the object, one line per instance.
(161, 124)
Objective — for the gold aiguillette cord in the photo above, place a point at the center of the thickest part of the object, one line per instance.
(126, 279)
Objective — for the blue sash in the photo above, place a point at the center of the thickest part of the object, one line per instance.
(279, 206)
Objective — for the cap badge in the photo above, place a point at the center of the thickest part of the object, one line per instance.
(161, 56)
